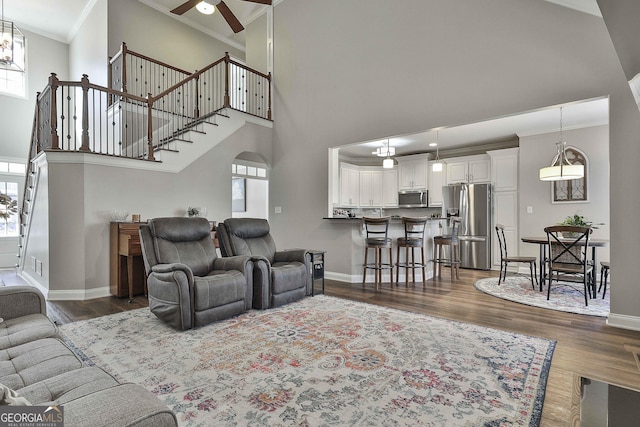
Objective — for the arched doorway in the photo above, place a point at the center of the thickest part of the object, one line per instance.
(249, 186)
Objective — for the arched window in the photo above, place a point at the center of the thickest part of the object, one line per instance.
(574, 190)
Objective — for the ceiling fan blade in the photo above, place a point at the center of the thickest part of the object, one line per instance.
(261, 1)
(184, 7)
(231, 19)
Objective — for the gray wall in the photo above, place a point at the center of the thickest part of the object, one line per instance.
(539, 150)
(381, 68)
(154, 34)
(88, 49)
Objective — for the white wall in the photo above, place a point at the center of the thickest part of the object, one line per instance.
(44, 56)
(539, 150)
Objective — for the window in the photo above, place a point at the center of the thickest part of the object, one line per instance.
(8, 208)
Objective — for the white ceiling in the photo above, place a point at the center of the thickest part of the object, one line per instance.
(574, 116)
(60, 19)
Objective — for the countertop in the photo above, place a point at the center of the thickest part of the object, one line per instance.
(399, 219)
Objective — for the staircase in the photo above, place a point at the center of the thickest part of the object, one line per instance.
(189, 115)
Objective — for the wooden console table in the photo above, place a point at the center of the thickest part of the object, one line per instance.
(126, 267)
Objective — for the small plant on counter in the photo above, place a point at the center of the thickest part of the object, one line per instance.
(193, 212)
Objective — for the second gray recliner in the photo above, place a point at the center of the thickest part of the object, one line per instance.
(280, 277)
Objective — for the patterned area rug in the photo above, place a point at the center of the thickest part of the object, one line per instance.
(325, 361)
(563, 298)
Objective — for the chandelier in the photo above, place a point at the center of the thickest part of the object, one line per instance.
(561, 168)
(11, 45)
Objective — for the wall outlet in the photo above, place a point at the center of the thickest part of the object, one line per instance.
(278, 209)
(529, 209)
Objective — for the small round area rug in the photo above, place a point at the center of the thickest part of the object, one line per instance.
(563, 298)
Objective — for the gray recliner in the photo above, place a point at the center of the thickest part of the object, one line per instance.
(279, 277)
(188, 285)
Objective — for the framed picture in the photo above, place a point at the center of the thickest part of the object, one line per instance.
(238, 195)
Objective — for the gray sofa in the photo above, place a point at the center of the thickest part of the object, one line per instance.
(279, 277)
(43, 371)
(188, 285)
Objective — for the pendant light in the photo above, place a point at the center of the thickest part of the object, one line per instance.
(561, 168)
(437, 165)
(11, 45)
(388, 162)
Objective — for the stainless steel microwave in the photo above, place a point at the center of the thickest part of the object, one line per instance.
(413, 199)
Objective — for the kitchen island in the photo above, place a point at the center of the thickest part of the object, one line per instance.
(435, 226)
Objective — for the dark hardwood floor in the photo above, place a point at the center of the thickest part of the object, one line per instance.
(585, 344)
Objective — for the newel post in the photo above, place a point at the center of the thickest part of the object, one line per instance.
(269, 98)
(38, 121)
(109, 80)
(84, 82)
(53, 84)
(150, 155)
(124, 67)
(227, 100)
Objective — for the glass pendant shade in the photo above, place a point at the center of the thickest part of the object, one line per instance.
(436, 167)
(561, 169)
(387, 163)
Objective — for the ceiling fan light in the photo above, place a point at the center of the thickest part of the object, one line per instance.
(205, 8)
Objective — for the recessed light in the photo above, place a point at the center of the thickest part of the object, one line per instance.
(433, 144)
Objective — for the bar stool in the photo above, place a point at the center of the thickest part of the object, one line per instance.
(450, 241)
(376, 230)
(604, 273)
(414, 239)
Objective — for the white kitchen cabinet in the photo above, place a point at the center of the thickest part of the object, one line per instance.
(370, 188)
(436, 181)
(504, 169)
(412, 172)
(469, 169)
(349, 185)
(390, 188)
(505, 209)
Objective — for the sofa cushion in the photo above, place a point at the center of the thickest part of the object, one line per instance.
(35, 361)
(65, 387)
(286, 276)
(219, 288)
(23, 329)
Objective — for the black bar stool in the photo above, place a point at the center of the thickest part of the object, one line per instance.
(413, 239)
(451, 242)
(376, 230)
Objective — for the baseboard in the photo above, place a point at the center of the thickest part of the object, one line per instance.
(357, 278)
(624, 321)
(31, 281)
(78, 295)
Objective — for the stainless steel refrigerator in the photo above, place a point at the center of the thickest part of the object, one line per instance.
(472, 203)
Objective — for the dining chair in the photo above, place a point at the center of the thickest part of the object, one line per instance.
(505, 259)
(568, 256)
(605, 267)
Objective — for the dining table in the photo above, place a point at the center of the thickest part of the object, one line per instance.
(543, 243)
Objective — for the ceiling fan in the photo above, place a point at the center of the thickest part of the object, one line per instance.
(226, 13)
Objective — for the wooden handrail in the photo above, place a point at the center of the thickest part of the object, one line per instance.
(124, 49)
(266, 76)
(188, 79)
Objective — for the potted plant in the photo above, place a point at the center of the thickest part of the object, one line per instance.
(578, 220)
